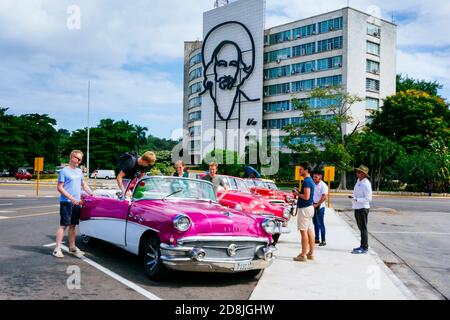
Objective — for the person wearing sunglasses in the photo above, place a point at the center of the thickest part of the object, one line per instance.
(70, 183)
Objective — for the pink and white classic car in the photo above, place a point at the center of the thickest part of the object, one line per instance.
(176, 223)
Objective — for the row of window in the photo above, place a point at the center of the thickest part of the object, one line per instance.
(299, 140)
(304, 49)
(194, 131)
(305, 31)
(194, 116)
(195, 59)
(303, 85)
(195, 102)
(196, 73)
(196, 87)
(303, 67)
(281, 123)
(286, 105)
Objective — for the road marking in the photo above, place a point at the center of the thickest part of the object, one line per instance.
(5, 204)
(1, 211)
(411, 232)
(2, 217)
(30, 215)
(47, 206)
(112, 274)
(21, 195)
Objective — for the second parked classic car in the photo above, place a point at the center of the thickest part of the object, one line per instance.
(176, 223)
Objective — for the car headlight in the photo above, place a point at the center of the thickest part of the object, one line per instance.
(182, 223)
(286, 213)
(238, 207)
(269, 226)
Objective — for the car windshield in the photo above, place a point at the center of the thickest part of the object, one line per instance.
(241, 185)
(271, 185)
(259, 183)
(158, 187)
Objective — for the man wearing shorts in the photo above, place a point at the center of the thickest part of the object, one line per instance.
(70, 182)
(305, 213)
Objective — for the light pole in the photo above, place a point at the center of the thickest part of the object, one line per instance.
(88, 125)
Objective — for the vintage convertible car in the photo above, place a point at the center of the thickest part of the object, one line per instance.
(239, 197)
(176, 223)
(269, 190)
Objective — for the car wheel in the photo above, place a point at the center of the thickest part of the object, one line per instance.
(87, 239)
(107, 178)
(276, 237)
(153, 265)
(253, 273)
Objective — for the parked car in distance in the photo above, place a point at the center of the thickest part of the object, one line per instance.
(103, 174)
(23, 174)
(4, 173)
(176, 224)
(268, 189)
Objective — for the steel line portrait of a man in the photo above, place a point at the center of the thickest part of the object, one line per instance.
(227, 64)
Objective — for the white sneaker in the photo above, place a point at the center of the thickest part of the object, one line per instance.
(58, 253)
(76, 251)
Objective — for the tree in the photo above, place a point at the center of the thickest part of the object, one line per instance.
(377, 152)
(413, 119)
(406, 83)
(25, 137)
(330, 131)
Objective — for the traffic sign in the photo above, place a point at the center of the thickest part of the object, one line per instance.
(329, 173)
(39, 164)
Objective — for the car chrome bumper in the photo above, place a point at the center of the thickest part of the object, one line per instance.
(181, 258)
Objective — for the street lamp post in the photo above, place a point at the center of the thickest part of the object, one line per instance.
(88, 127)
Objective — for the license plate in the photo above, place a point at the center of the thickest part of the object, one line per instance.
(245, 266)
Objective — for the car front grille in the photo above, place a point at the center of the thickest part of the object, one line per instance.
(245, 250)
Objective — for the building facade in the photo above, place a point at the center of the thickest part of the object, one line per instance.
(346, 47)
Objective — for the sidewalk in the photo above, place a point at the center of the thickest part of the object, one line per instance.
(334, 274)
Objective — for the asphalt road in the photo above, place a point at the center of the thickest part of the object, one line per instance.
(28, 271)
(412, 236)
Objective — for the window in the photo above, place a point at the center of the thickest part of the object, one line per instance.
(194, 116)
(194, 131)
(304, 85)
(278, 72)
(303, 32)
(308, 101)
(329, 44)
(331, 25)
(329, 81)
(276, 89)
(195, 144)
(304, 49)
(372, 103)
(277, 106)
(372, 85)
(276, 123)
(277, 55)
(280, 37)
(373, 48)
(329, 63)
(304, 67)
(323, 103)
(373, 67)
(195, 102)
(195, 59)
(196, 73)
(373, 30)
(196, 87)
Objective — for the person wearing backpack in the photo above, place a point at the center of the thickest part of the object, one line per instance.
(130, 166)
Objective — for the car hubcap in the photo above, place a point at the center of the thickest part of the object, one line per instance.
(151, 257)
(85, 238)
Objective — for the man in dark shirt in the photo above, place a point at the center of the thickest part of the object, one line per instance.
(305, 213)
(134, 167)
(215, 179)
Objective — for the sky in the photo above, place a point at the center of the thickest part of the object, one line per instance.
(132, 53)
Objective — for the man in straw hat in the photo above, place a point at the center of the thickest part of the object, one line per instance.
(361, 198)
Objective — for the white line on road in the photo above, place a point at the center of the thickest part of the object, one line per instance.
(113, 275)
(30, 215)
(50, 205)
(2, 217)
(5, 204)
(2, 211)
(21, 195)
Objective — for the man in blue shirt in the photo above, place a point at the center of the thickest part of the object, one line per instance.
(305, 213)
(70, 182)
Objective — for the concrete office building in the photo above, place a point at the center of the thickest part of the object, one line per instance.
(345, 47)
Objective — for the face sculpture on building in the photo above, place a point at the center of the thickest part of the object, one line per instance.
(227, 69)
